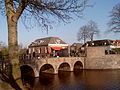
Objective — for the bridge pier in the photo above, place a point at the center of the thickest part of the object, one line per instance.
(71, 69)
(56, 71)
(36, 74)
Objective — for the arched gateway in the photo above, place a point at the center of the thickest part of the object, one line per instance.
(52, 65)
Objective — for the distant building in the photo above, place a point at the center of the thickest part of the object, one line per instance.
(109, 44)
(75, 46)
(112, 43)
(98, 43)
(75, 49)
(50, 46)
(1, 48)
(116, 43)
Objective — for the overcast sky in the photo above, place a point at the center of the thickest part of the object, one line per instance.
(99, 13)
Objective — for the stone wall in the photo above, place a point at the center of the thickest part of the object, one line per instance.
(93, 52)
(96, 59)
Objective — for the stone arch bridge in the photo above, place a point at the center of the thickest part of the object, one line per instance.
(52, 65)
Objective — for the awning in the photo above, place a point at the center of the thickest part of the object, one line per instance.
(56, 48)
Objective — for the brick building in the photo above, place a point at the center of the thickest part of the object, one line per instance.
(50, 46)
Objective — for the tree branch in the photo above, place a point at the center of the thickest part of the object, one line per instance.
(21, 8)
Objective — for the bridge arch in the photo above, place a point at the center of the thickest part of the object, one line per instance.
(27, 70)
(78, 65)
(53, 65)
(65, 66)
(47, 68)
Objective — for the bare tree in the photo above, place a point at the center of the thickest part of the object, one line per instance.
(114, 23)
(83, 33)
(92, 29)
(88, 31)
(42, 12)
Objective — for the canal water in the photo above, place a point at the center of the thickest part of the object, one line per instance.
(77, 80)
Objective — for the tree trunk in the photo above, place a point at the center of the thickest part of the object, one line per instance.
(91, 37)
(13, 43)
(13, 50)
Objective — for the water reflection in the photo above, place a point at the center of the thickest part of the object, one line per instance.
(28, 82)
(77, 80)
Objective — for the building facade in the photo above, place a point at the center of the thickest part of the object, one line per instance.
(111, 46)
(47, 47)
(75, 49)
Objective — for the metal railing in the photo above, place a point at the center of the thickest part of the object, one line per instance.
(5, 65)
